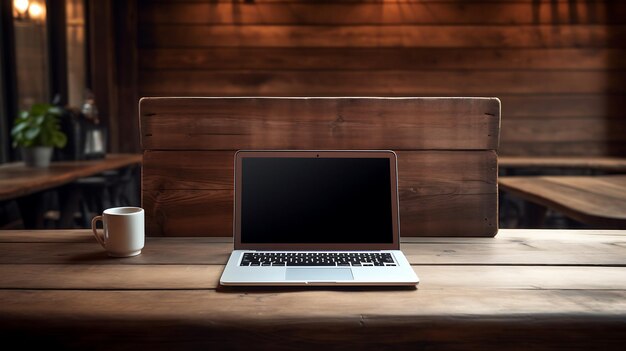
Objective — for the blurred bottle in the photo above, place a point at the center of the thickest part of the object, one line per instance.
(95, 135)
(89, 108)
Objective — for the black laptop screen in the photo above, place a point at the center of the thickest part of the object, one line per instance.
(316, 200)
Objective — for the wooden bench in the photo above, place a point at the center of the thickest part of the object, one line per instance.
(446, 150)
(599, 201)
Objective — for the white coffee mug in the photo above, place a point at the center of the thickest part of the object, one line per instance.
(124, 233)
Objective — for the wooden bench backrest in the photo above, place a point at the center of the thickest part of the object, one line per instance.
(447, 160)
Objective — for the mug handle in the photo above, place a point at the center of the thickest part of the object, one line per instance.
(99, 238)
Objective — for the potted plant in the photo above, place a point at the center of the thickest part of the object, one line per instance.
(37, 131)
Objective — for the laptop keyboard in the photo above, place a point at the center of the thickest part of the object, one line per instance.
(329, 259)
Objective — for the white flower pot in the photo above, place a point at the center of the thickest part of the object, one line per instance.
(37, 156)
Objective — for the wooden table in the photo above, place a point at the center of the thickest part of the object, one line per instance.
(596, 200)
(522, 290)
(26, 184)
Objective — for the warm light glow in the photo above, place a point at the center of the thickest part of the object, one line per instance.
(36, 11)
(21, 6)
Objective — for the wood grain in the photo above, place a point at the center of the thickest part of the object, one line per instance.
(572, 130)
(421, 172)
(190, 142)
(614, 164)
(188, 212)
(333, 123)
(440, 36)
(349, 59)
(371, 83)
(553, 106)
(189, 170)
(210, 212)
(570, 149)
(568, 236)
(508, 248)
(191, 277)
(383, 12)
(458, 319)
(597, 200)
(544, 289)
(544, 60)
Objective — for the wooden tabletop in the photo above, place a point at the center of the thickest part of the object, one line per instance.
(523, 289)
(595, 200)
(18, 180)
(604, 163)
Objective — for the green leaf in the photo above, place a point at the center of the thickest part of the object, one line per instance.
(18, 128)
(39, 126)
(55, 110)
(59, 140)
(39, 109)
(31, 134)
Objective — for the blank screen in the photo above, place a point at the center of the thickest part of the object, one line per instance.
(316, 200)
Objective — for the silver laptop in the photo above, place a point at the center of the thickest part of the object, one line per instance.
(317, 218)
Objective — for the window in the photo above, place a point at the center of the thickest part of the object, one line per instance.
(76, 52)
(31, 53)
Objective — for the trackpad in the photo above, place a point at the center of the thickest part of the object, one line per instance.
(324, 274)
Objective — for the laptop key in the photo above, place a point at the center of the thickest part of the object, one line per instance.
(317, 259)
(310, 264)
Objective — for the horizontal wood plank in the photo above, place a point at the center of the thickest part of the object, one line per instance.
(308, 320)
(574, 149)
(614, 164)
(382, 12)
(188, 212)
(312, 123)
(177, 170)
(569, 236)
(210, 212)
(188, 192)
(378, 83)
(563, 130)
(275, 307)
(181, 187)
(484, 36)
(421, 172)
(544, 60)
(509, 247)
(553, 106)
(349, 59)
(190, 277)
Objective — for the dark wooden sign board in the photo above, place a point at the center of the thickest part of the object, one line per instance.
(447, 155)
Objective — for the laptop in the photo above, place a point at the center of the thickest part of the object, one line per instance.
(317, 218)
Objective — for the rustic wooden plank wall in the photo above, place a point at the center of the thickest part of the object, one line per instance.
(558, 66)
(447, 166)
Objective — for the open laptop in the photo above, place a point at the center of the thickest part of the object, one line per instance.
(317, 218)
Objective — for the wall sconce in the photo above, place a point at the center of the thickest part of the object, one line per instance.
(29, 10)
